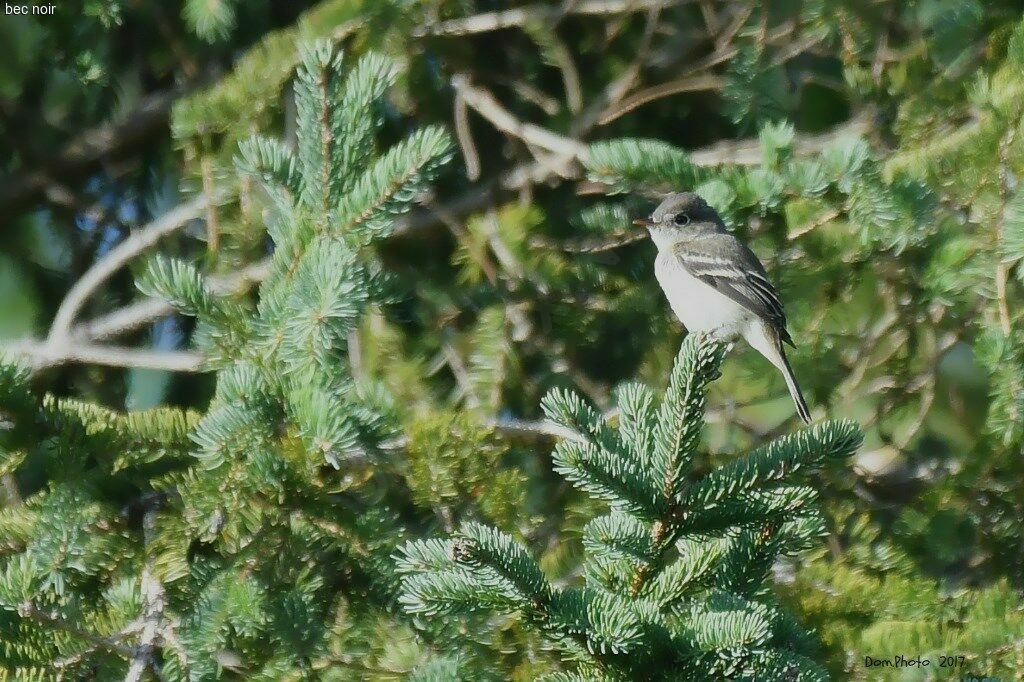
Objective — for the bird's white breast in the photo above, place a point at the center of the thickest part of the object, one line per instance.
(699, 306)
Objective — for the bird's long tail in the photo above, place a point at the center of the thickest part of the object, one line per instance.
(766, 340)
(794, 388)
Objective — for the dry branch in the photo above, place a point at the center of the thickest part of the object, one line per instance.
(511, 18)
(41, 355)
(118, 257)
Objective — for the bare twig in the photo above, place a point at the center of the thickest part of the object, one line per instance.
(762, 26)
(153, 607)
(626, 81)
(465, 138)
(66, 343)
(726, 50)
(861, 361)
(748, 152)
(1002, 273)
(539, 428)
(79, 345)
(592, 245)
(565, 151)
(707, 11)
(810, 226)
(570, 74)
(430, 214)
(138, 314)
(42, 355)
(511, 18)
(474, 250)
(530, 93)
(508, 261)
(212, 221)
(798, 47)
(104, 268)
(484, 103)
(729, 33)
(170, 637)
(699, 79)
(693, 83)
(462, 378)
(741, 152)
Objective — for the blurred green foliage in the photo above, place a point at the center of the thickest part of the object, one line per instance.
(870, 153)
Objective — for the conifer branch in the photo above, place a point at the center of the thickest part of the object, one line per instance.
(78, 346)
(700, 551)
(135, 315)
(95, 645)
(291, 489)
(114, 644)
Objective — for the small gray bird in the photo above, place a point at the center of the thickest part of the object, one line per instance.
(716, 285)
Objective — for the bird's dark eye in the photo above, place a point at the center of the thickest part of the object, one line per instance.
(682, 219)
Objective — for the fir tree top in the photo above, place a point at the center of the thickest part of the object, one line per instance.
(675, 574)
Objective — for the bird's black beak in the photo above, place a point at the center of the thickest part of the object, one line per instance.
(643, 222)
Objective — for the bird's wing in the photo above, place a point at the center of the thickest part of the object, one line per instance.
(725, 263)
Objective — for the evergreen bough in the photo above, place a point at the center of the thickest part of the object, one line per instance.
(245, 525)
(675, 574)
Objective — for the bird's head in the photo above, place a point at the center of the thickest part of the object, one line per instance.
(684, 211)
